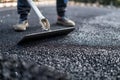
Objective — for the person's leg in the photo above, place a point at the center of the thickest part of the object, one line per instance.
(23, 9)
(61, 9)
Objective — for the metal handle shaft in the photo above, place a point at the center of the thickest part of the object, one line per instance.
(43, 21)
(35, 8)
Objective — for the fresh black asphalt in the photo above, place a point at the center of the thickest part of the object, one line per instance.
(90, 52)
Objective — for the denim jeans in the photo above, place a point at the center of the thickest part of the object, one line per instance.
(24, 8)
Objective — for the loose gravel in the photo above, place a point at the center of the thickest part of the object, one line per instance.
(14, 68)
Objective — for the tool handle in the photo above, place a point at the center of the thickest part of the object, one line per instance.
(43, 21)
(35, 8)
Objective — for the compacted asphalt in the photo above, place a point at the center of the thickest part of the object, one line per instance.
(90, 52)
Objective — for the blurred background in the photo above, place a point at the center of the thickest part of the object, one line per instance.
(115, 3)
(103, 2)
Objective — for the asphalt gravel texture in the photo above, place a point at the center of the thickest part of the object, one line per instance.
(14, 68)
(90, 52)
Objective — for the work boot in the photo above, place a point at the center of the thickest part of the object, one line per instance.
(65, 22)
(21, 26)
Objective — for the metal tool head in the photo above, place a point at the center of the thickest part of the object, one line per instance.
(46, 34)
(45, 24)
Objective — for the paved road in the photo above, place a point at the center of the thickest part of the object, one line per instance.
(90, 52)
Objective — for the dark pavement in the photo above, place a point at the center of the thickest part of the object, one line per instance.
(91, 52)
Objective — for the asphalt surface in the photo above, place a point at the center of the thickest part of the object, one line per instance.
(14, 68)
(90, 52)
